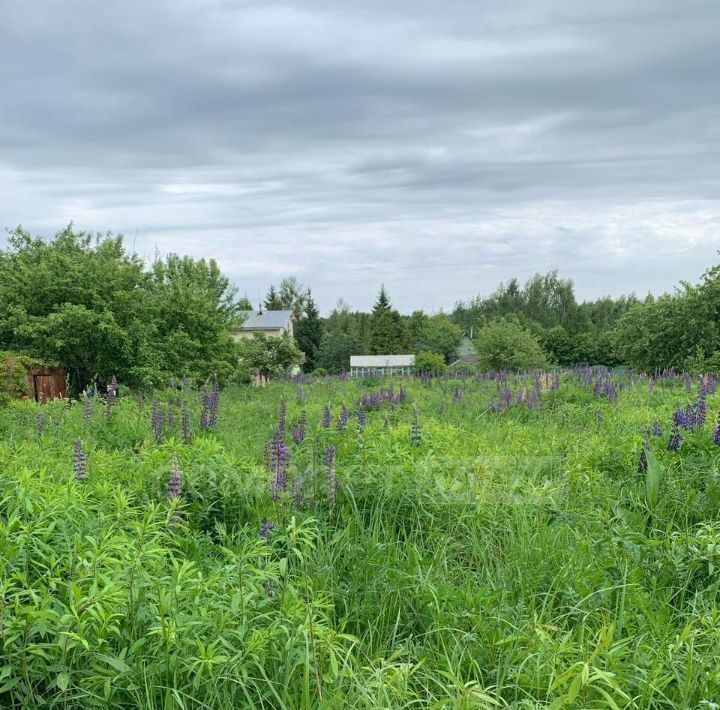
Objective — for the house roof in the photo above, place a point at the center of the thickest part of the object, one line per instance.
(265, 320)
(382, 360)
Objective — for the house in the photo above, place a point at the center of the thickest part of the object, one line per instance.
(364, 365)
(270, 323)
(466, 353)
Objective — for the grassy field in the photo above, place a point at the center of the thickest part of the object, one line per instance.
(457, 549)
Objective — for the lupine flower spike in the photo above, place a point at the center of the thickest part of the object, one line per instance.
(79, 462)
(415, 433)
(175, 481)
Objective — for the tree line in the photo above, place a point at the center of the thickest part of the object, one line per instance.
(85, 302)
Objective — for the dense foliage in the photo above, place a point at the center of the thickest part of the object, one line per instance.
(679, 330)
(505, 344)
(84, 302)
(269, 357)
(530, 541)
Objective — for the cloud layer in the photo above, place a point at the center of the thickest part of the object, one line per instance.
(436, 147)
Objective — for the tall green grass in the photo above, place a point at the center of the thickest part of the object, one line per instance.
(513, 559)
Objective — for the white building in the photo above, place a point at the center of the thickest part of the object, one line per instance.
(364, 365)
(273, 324)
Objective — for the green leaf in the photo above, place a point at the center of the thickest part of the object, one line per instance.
(653, 480)
(63, 680)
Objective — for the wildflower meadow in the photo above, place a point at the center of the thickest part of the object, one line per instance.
(548, 539)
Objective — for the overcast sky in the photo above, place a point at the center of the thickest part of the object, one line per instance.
(437, 147)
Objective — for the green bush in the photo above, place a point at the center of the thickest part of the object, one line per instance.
(505, 344)
(429, 362)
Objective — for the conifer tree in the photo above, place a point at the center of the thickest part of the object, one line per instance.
(387, 330)
(308, 333)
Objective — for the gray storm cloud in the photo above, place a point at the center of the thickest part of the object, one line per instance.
(438, 147)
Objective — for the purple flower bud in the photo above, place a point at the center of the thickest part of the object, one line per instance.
(266, 528)
(327, 417)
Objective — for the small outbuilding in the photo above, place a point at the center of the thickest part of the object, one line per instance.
(22, 377)
(366, 365)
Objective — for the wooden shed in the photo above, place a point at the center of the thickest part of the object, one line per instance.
(22, 377)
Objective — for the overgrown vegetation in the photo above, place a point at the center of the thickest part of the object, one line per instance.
(499, 541)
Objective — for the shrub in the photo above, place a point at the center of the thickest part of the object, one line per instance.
(505, 344)
(426, 361)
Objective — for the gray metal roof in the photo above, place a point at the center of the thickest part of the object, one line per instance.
(267, 320)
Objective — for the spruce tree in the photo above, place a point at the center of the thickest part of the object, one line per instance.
(273, 302)
(387, 330)
(308, 333)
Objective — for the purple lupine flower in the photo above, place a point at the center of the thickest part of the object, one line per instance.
(175, 481)
(79, 462)
(282, 417)
(708, 385)
(185, 423)
(362, 418)
(700, 411)
(343, 419)
(687, 381)
(655, 429)
(643, 462)
(209, 405)
(327, 417)
(278, 458)
(415, 433)
(675, 441)
(299, 430)
(266, 528)
(299, 394)
(157, 420)
(87, 409)
(331, 477)
(716, 435)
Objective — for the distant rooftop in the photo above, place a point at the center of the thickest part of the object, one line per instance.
(265, 320)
